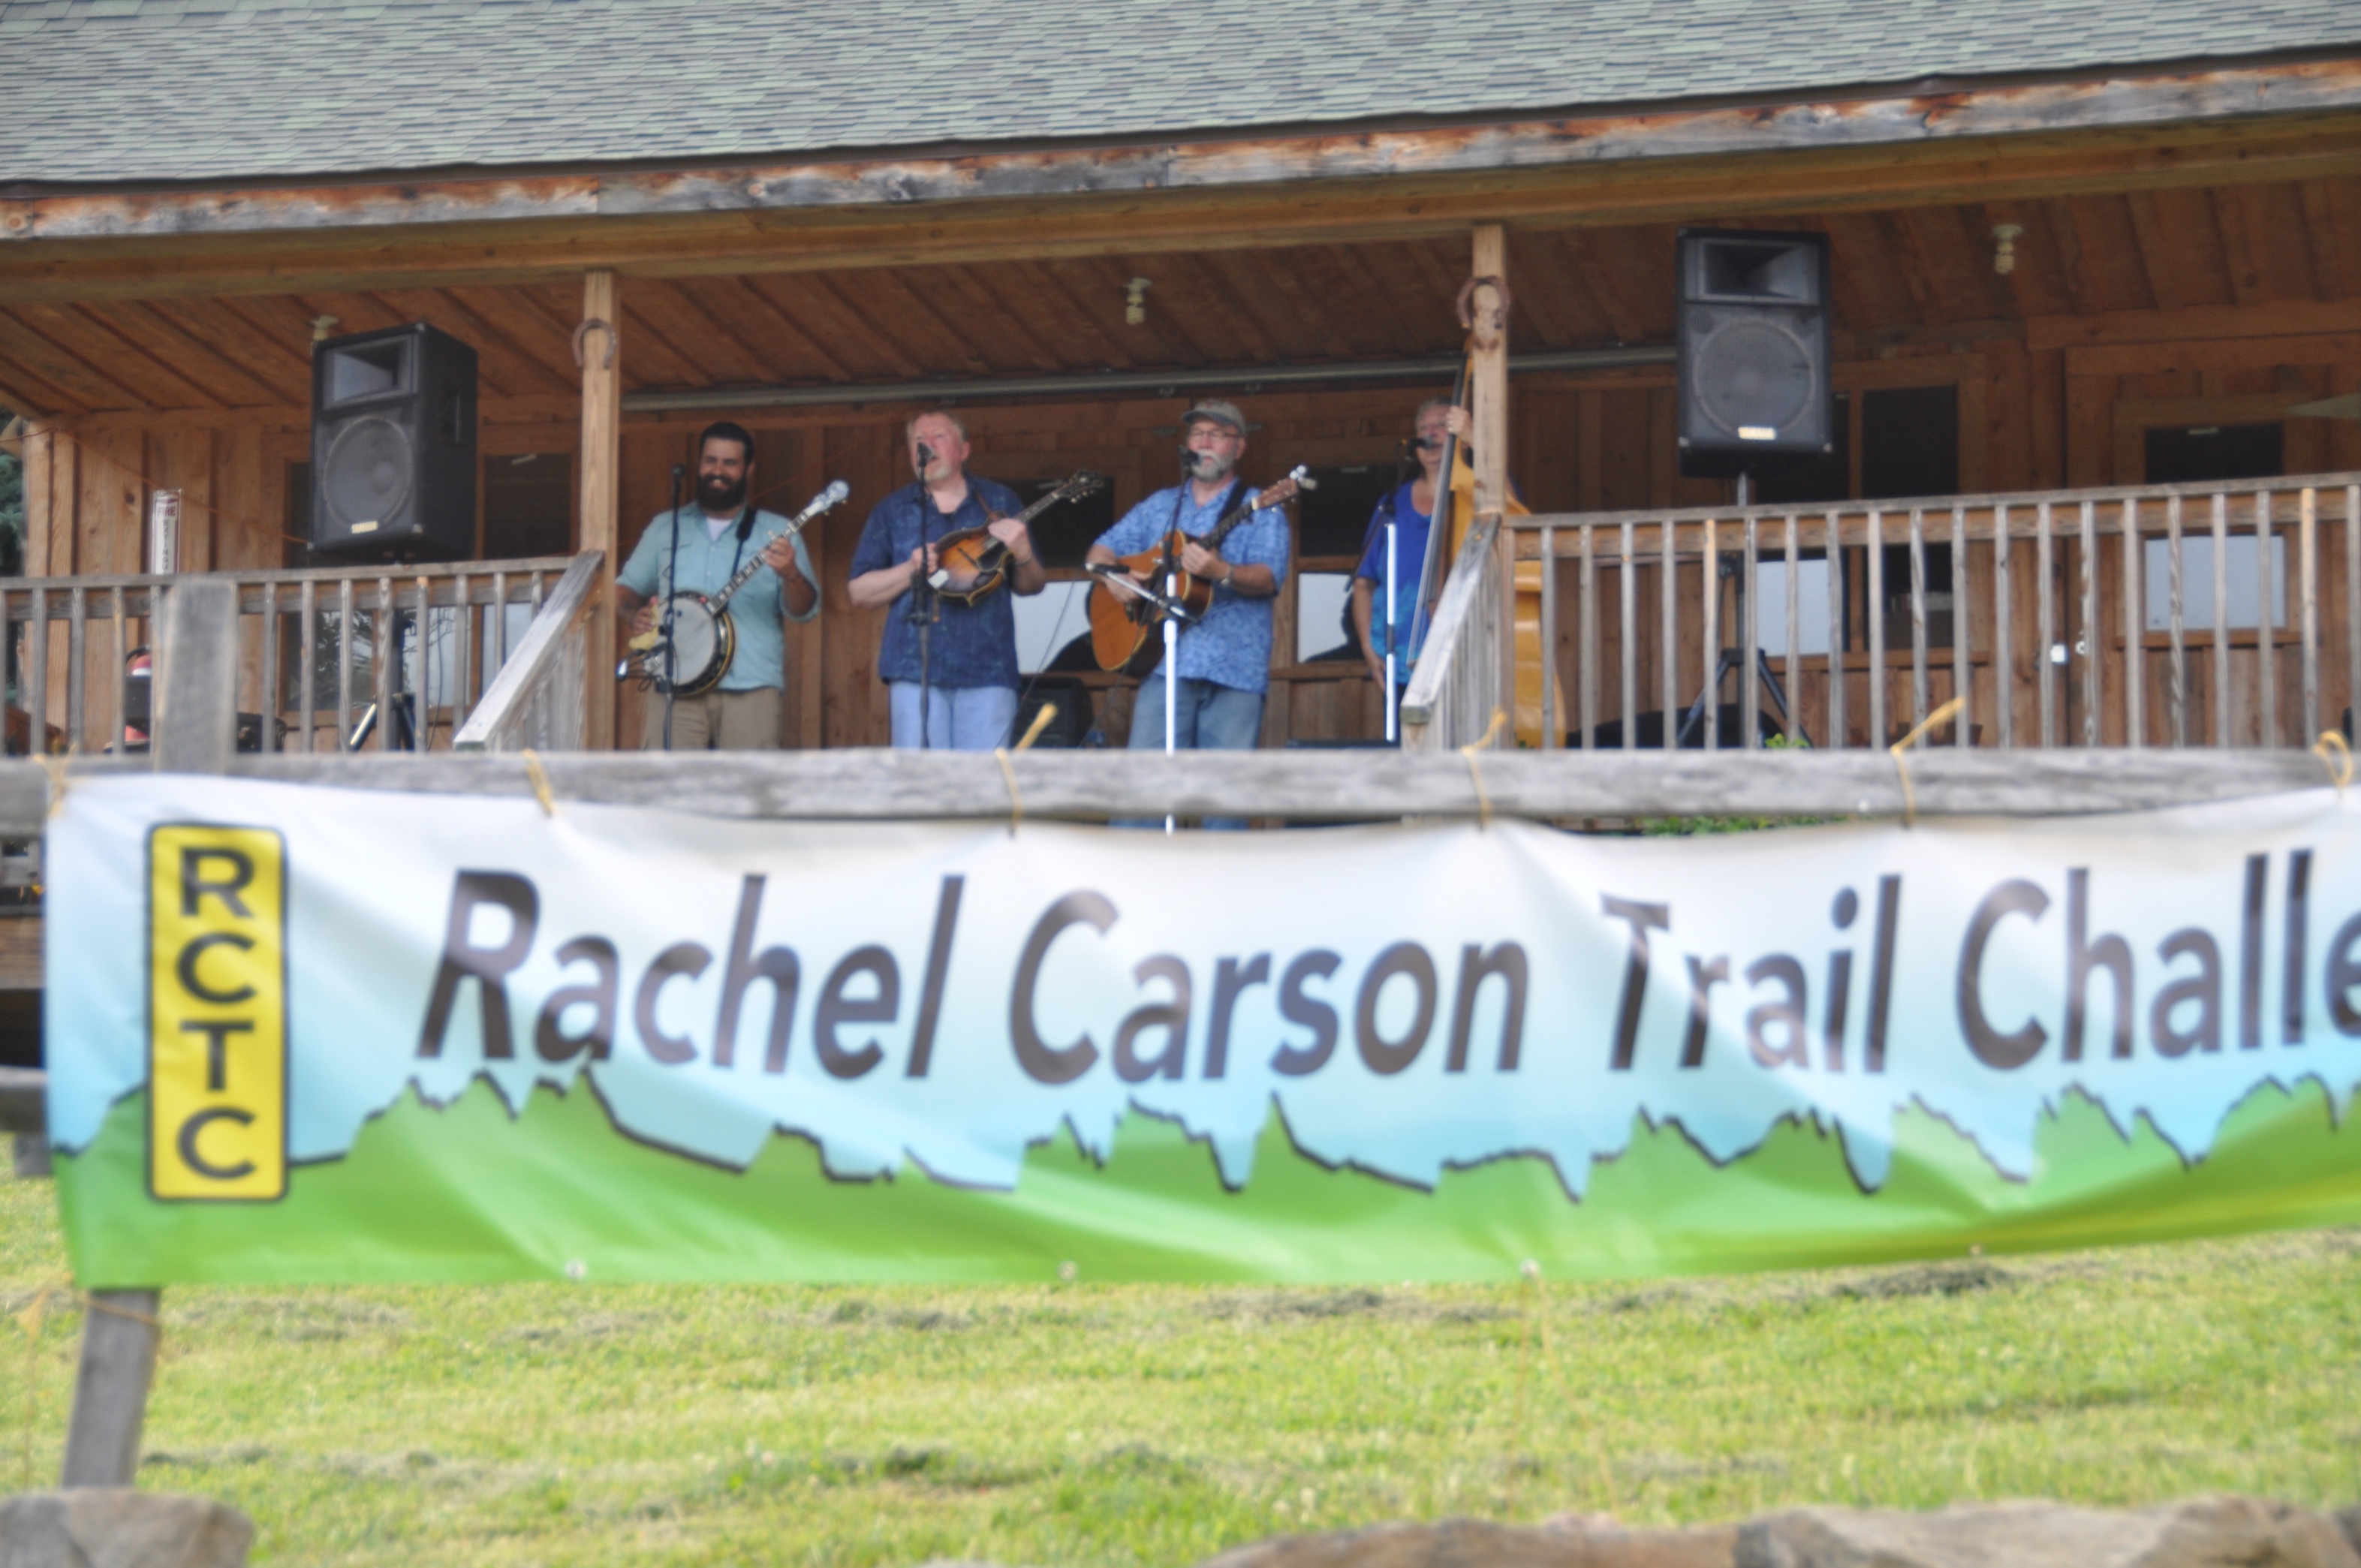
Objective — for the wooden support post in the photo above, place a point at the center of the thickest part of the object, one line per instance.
(1489, 307)
(196, 732)
(598, 344)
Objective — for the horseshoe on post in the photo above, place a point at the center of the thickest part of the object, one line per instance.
(580, 332)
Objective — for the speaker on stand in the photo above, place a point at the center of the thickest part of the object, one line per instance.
(393, 446)
(393, 473)
(1753, 357)
(1753, 396)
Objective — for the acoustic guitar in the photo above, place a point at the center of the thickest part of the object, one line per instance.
(969, 563)
(1126, 627)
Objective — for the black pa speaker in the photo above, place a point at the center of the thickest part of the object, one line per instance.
(1754, 355)
(393, 446)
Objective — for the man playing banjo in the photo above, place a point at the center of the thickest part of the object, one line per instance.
(698, 550)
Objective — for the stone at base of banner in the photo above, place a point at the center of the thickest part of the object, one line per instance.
(121, 1528)
(2200, 1532)
(31, 1155)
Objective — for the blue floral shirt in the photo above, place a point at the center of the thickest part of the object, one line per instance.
(970, 646)
(1231, 646)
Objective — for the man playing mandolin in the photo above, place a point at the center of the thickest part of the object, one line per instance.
(1224, 667)
(962, 676)
(709, 542)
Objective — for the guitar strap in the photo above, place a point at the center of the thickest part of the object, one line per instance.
(1229, 499)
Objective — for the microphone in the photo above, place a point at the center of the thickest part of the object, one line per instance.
(831, 497)
(680, 471)
(1425, 443)
(926, 459)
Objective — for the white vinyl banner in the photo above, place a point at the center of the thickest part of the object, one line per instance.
(1408, 997)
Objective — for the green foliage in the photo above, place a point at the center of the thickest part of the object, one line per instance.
(12, 511)
(1686, 827)
(1081, 1424)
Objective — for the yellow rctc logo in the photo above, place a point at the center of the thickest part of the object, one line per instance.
(217, 1013)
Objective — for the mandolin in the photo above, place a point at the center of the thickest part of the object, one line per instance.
(1124, 625)
(969, 563)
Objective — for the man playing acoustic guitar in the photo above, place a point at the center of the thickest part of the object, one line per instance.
(709, 541)
(1224, 658)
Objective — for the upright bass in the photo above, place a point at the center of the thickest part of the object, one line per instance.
(1455, 513)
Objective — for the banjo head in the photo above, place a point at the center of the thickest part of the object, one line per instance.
(697, 639)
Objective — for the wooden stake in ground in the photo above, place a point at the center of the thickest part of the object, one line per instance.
(196, 732)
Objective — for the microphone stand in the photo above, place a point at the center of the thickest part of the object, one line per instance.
(672, 589)
(1393, 520)
(1169, 571)
(922, 606)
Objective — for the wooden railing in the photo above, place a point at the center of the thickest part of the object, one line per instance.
(539, 699)
(2219, 615)
(334, 659)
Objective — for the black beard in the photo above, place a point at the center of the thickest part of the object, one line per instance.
(718, 495)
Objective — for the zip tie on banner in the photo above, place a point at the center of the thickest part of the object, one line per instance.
(1482, 797)
(1016, 801)
(539, 777)
(2337, 757)
(999, 754)
(56, 768)
(1933, 720)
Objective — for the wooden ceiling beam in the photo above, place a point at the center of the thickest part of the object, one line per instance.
(1654, 190)
(1257, 297)
(663, 345)
(507, 369)
(1200, 280)
(690, 334)
(2279, 318)
(1306, 309)
(1593, 263)
(2056, 228)
(282, 371)
(150, 350)
(890, 303)
(2245, 270)
(63, 368)
(539, 352)
(1058, 317)
(776, 336)
(24, 391)
(2328, 263)
(826, 324)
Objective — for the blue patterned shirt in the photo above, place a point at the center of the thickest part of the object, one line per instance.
(969, 646)
(1231, 646)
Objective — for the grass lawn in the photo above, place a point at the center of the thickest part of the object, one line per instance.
(1158, 1424)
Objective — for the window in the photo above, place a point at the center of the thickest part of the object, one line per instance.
(1333, 519)
(1320, 601)
(2197, 453)
(1064, 535)
(2239, 560)
(1048, 624)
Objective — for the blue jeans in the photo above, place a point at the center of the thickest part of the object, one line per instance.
(1210, 718)
(959, 719)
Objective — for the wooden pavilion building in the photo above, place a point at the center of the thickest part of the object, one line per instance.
(2074, 246)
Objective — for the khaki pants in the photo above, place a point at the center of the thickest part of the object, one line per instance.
(718, 722)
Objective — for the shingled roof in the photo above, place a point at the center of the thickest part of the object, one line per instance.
(103, 91)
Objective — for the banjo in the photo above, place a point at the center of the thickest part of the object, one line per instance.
(704, 639)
